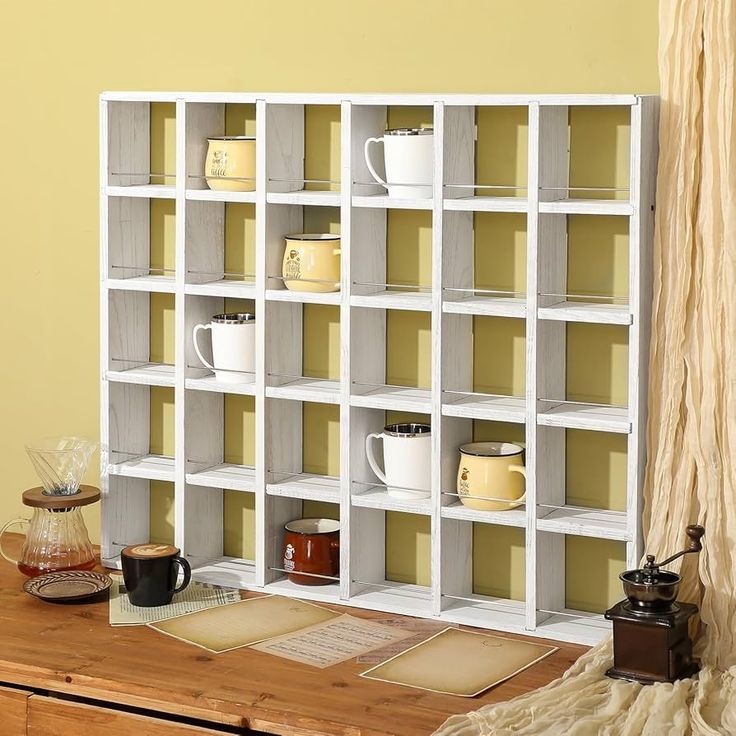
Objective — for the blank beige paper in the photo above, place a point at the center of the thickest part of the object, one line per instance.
(458, 662)
(241, 624)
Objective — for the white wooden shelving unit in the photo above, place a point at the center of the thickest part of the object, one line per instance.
(200, 287)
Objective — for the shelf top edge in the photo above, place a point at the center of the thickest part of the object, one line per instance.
(394, 98)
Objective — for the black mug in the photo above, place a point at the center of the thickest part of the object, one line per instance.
(150, 572)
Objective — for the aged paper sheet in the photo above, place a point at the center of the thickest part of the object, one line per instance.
(458, 662)
(419, 629)
(332, 642)
(244, 623)
(196, 597)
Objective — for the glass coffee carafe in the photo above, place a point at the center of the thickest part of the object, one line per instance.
(57, 537)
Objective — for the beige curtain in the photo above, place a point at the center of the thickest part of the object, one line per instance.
(692, 407)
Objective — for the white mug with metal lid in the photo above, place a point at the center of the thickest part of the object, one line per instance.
(233, 347)
(408, 154)
(407, 455)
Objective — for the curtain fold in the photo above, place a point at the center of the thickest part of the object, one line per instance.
(691, 476)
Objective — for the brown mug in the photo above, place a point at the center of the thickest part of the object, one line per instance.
(312, 546)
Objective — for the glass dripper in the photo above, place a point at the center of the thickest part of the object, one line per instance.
(60, 462)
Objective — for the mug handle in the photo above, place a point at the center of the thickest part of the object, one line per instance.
(367, 156)
(5, 529)
(186, 569)
(519, 469)
(195, 332)
(371, 457)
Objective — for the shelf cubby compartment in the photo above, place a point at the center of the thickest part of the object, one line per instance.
(585, 273)
(220, 249)
(391, 259)
(280, 511)
(141, 244)
(387, 379)
(300, 437)
(583, 376)
(214, 119)
(586, 165)
(367, 490)
(457, 431)
(303, 352)
(140, 151)
(140, 431)
(303, 155)
(585, 495)
(140, 346)
(371, 121)
(483, 574)
(133, 514)
(288, 219)
(485, 158)
(379, 539)
(484, 264)
(484, 367)
(569, 605)
(200, 310)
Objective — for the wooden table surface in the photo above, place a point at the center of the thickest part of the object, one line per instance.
(71, 648)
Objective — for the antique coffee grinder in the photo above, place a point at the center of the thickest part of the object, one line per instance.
(650, 635)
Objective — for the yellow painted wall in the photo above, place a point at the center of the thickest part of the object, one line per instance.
(49, 232)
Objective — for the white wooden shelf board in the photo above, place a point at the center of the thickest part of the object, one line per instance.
(228, 476)
(585, 416)
(418, 301)
(149, 467)
(598, 523)
(485, 612)
(229, 572)
(309, 198)
(149, 191)
(378, 497)
(487, 204)
(587, 207)
(307, 486)
(491, 408)
(384, 202)
(211, 195)
(151, 374)
(392, 398)
(210, 383)
(158, 284)
(410, 600)
(224, 288)
(580, 627)
(486, 306)
(304, 297)
(513, 517)
(603, 314)
(306, 389)
(329, 593)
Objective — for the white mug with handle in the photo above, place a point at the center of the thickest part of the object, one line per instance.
(233, 347)
(409, 157)
(407, 454)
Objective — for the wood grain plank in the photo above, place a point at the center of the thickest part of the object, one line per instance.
(13, 707)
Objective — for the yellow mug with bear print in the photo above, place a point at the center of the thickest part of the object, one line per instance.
(312, 262)
(491, 476)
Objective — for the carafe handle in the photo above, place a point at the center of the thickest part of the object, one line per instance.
(5, 528)
(368, 162)
(195, 332)
(371, 457)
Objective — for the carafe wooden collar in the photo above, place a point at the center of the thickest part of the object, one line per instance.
(36, 498)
